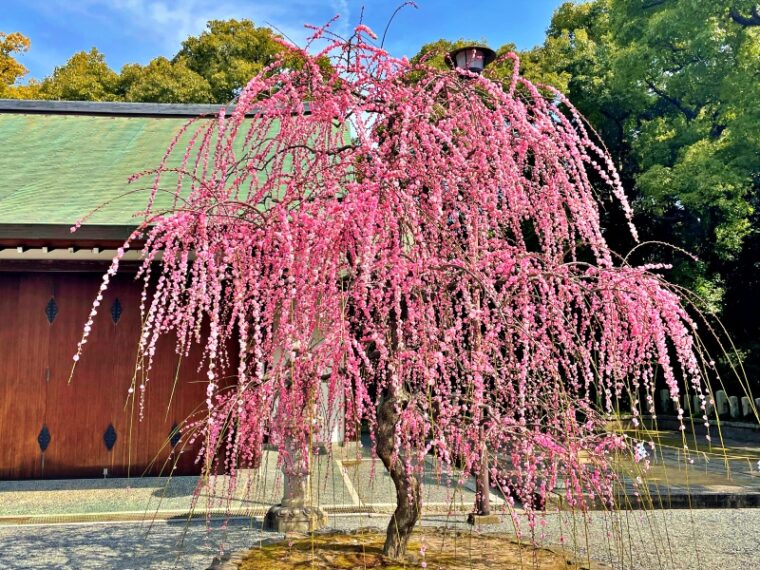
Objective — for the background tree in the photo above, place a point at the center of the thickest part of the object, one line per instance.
(162, 81)
(441, 263)
(85, 77)
(228, 53)
(209, 68)
(10, 69)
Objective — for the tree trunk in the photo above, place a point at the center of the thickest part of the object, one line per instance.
(408, 496)
(483, 486)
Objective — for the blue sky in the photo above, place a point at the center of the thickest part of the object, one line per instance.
(135, 31)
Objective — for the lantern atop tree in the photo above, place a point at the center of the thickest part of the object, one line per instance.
(471, 58)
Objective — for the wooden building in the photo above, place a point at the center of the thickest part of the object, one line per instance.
(58, 161)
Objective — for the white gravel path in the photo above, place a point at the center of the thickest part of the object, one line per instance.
(677, 540)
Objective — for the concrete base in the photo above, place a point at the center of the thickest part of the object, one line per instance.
(480, 520)
(295, 519)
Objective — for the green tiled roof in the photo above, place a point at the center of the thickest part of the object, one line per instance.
(56, 168)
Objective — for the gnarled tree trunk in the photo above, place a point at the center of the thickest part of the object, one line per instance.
(408, 496)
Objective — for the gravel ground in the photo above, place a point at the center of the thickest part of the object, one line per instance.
(677, 540)
(120, 546)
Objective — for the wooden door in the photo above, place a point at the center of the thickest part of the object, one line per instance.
(54, 425)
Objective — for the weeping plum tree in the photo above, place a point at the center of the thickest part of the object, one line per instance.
(429, 244)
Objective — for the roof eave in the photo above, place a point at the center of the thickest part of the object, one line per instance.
(119, 109)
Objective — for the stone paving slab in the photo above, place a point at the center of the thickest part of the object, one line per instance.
(373, 485)
(339, 484)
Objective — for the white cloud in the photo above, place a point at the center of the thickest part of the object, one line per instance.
(341, 7)
(169, 22)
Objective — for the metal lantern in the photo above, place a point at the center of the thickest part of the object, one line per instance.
(471, 58)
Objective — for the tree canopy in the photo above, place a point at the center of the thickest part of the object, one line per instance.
(228, 54)
(672, 87)
(10, 69)
(163, 81)
(85, 77)
(444, 274)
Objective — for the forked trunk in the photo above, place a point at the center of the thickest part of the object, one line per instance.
(408, 496)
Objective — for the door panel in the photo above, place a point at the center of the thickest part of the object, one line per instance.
(37, 342)
(24, 332)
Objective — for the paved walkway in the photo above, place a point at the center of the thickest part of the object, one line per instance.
(354, 484)
(719, 476)
(722, 474)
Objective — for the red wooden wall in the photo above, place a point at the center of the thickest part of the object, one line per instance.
(35, 363)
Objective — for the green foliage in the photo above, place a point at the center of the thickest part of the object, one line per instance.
(162, 81)
(672, 87)
(686, 55)
(10, 69)
(209, 68)
(85, 77)
(669, 84)
(228, 54)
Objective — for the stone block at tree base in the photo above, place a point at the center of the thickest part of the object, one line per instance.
(280, 518)
(479, 520)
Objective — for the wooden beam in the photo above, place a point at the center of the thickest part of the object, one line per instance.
(58, 236)
(65, 265)
(62, 232)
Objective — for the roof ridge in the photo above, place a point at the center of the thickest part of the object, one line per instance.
(115, 108)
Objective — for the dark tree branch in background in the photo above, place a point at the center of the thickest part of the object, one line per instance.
(747, 21)
(690, 114)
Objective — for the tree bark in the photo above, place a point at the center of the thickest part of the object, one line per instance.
(483, 486)
(408, 496)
